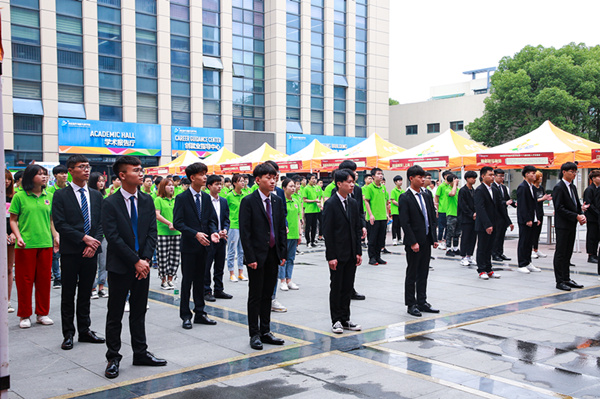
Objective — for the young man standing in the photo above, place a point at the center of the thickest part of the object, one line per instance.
(591, 215)
(234, 244)
(441, 198)
(417, 218)
(452, 226)
(395, 196)
(312, 209)
(504, 222)
(61, 175)
(527, 219)
(466, 219)
(376, 200)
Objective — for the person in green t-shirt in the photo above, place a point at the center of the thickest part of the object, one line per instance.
(394, 197)
(312, 209)
(452, 226)
(234, 243)
(294, 214)
(61, 176)
(147, 186)
(169, 239)
(98, 182)
(115, 186)
(377, 200)
(185, 184)
(328, 191)
(319, 188)
(441, 197)
(227, 187)
(31, 222)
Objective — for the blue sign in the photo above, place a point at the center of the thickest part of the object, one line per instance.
(296, 142)
(196, 139)
(80, 136)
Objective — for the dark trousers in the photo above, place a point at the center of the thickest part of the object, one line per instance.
(484, 251)
(320, 220)
(537, 230)
(192, 280)
(78, 274)
(417, 270)
(441, 226)
(261, 283)
(499, 236)
(526, 235)
(377, 239)
(120, 286)
(340, 290)
(396, 230)
(565, 239)
(468, 239)
(310, 230)
(591, 238)
(216, 257)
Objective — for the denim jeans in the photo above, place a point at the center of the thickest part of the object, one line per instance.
(102, 264)
(235, 244)
(285, 271)
(56, 265)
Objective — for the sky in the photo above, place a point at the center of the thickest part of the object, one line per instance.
(433, 41)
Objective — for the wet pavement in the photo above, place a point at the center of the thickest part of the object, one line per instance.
(514, 337)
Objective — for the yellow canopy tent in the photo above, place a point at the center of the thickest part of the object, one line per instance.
(307, 159)
(215, 160)
(367, 154)
(248, 162)
(176, 166)
(448, 150)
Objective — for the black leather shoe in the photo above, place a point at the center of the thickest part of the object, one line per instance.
(187, 324)
(381, 261)
(385, 251)
(91, 337)
(571, 264)
(67, 343)
(504, 257)
(426, 308)
(223, 295)
(573, 284)
(203, 319)
(255, 342)
(497, 258)
(269, 338)
(112, 369)
(563, 286)
(592, 259)
(449, 252)
(414, 311)
(209, 298)
(358, 297)
(373, 262)
(149, 360)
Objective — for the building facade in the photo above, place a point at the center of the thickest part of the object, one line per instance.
(154, 77)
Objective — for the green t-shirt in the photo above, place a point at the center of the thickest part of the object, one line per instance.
(452, 204)
(165, 206)
(178, 190)
(396, 193)
(311, 193)
(329, 190)
(233, 201)
(319, 191)
(225, 192)
(111, 186)
(293, 219)
(442, 192)
(378, 198)
(52, 189)
(34, 218)
(298, 198)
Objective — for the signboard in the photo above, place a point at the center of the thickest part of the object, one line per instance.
(289, 166)
(245, 167)
(516, 159)
(79, 136)
(200, 140)
(596, 155)
(424, 162)
(296, 142)
(335, 163)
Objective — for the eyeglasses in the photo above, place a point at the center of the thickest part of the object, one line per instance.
(84, 167)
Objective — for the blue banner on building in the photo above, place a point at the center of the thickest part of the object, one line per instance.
(198, 139)
(296, 142)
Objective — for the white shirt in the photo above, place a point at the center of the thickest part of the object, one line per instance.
(194, 192)
(263, 198)
(489, 188)
(533, 195)
(342, 199)
(76, 188)
(217, 205)
(126, 194)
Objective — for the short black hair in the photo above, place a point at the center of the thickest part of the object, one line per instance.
(446, 173)
(175, 178)
(273, 164)
(427, 174)
(212, 179)
(195, 168)
(415, 170)
(93, 182)
(125, 160)
(227, 180)
(236, 177)
(310, 176)
(147, 177)
(342, 175)
(499, 171)
(59, 169)
(185, 180)
(470, 173)
(113, 177)
(18, 175)
(264, 169)
(484, 171)
(348, 164)
(367, 175)
(375, 170)
(528, 169)
(158, 180)
(397, 177)
(286, 182)
(568, 166)
(30, 172)
(75, 159)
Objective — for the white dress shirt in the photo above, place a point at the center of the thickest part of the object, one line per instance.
(217, 205)
(76, 188)
(126, 194)
(194, 192)
(263, 198)
(342, 199)
(489, 188)
(535, 199)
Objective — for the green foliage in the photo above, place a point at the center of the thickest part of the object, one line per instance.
(537, 84)
(394, 102)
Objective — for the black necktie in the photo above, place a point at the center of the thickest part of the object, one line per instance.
(573, 196)
(346, 207)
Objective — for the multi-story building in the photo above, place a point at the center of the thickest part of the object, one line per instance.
(153, 77)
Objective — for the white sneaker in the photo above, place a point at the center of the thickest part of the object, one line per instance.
(534, 255)
(493, 275)
(472, 261)
(25, 323)
(395, 242)
(44, 320)
(292, 286)
(165, 286)
(233, 278)
(532, 268)
(464, 261)
(10, 308)
(171, 285)
(103, 293)
(442, 246)
(484, 276)
(541, 254)
(94, 294)
(277, 307)
(523, 270)
(351, 326)
(283, 286)
(337, 328)
(127, 306)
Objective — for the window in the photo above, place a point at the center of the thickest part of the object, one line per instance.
(181, 107)
(212, 98)
(339, 108)
(25, 30)
(27, 140)
(433, 128)
(293, 65)
(411, 130)
(109, 60)
(317, 67)
(147, 66)
(457, 126)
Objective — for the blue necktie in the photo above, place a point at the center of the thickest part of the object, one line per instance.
(271, 233)
(198, 206)
(134, 222)
(85, 212)
(424, 210)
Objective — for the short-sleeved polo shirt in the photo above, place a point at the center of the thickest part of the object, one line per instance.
(396, 193)
(233, 201)
(310, 193)
(329, 190)
(52, 189)
(165, 206)
(34, 218)
(293, 219)
(442, 192)
(378, 198)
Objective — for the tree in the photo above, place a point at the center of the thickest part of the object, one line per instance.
(394, 102)
(538, 84)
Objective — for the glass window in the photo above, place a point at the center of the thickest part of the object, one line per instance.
(180, 28)
(27, 71)
(293, 47)
(109, 64)
(180, 89)
(110, 97)
(316, 12)
(147, 85)
(110, 80)
(293, 21)
(180, 12)
(433, 128)
(110, 48)
(148, 52)
(316, 103)
(293, 34)
(316, 52)
(211, 5)
(70, 76)
(339, 30)
(361, 35)
(293, 101)
(339, 130)
(178, 58)
(316, 25)
(293, 87)
(317, 128)
(411, 130)
(457, 126)
(315, 38)
(106, 14)
(180, 43)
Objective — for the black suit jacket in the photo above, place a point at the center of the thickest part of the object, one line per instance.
(224, 219)
(466, 206)
(412, 219)
(504, 219)
(68, 219)
(185, 219)
(342, 230)
(589, 197)
(255, 229)
(505, 195)
(527, 204)
(488, 210)
(121, 256)
(565, 210)
(358, 197)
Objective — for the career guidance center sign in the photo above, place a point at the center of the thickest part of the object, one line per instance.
(80, 136)
(200, 140)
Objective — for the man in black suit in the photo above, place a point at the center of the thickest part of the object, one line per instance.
(80, 236)
(466, 219)
(488, 214)
(342, 229)
(264, 239)
(591, 215)
(216, 252)
(196, 219)
(129, 224)
(567, 213)
(504, 222)
(527, 219)
(417, 219)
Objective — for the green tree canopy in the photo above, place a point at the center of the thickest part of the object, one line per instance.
(394, 102)
(540, 84)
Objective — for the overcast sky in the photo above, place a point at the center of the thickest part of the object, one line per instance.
(433, 42)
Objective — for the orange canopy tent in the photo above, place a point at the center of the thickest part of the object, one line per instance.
(248, 162)
(307, 159)
(367, 154)
(176, 166)
(215, 160)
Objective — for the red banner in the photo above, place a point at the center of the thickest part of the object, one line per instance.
(596, 155)
(245, 167)
(334, 163)
(289, 166)
(424, 162)
(516, 159)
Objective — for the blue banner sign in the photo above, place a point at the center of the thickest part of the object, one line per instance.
(199, 139)
(296, 142)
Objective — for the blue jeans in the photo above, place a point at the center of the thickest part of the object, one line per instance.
(56, 265)
(235, 244)
(102, 264)
(285, 271)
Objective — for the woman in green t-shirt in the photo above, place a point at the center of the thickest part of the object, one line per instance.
(169, 239)
(31, 222)
(98, 182)
(294, 214)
